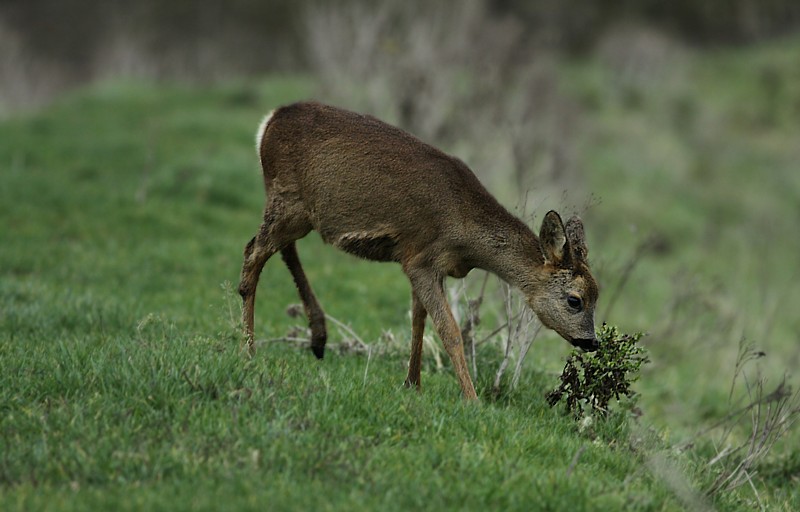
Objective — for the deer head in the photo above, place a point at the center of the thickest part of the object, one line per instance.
(565, 293)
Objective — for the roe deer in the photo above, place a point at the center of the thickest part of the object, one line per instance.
(380, 193)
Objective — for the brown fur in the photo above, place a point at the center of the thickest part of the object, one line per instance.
(378, 192)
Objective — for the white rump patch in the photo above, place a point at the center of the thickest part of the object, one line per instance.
(261, 129)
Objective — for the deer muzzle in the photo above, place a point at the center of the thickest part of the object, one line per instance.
(587, 345)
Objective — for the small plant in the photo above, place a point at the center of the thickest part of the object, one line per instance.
(593, 380)
(767, 417)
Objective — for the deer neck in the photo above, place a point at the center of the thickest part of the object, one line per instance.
(512, 252)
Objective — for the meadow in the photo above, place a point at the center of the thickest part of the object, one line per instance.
(125, 209)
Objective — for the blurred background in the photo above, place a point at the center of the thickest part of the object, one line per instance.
(494, 81)
(673, 128)
(47, 46)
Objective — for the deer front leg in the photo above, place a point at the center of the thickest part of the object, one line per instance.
(256, 254)
(418, 315)
(428, 286)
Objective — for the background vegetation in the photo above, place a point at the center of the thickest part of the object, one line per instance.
(126, 203)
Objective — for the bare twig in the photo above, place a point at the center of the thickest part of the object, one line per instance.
(366, 368)
(497, 330)
(641, 250)
(781, 392)
(525, 344)
(300, 342)
(574, 461)
(509, 339)
(472, 320)
(771, 416)
(518, 326)
(346, 328)
(301, 336)
(746, 354)
(189, 381)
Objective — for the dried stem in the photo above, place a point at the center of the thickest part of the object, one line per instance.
(509, 339)
(641, 250)
(472, 320)
(525, 345)
(518, 325)
(771, 416)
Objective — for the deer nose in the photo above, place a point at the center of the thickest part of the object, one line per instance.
(587, 345)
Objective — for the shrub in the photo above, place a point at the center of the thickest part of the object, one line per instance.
(591, 381)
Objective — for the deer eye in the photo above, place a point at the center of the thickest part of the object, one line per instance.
(575, 302)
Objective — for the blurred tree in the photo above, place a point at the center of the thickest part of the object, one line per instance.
(253, 36)
(576, 24)
(72, 41)
(194, 36)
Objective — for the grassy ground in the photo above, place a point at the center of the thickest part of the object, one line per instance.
(125, 210)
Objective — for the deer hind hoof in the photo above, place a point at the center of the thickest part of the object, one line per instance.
(412, 384)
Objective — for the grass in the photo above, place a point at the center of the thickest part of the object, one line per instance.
(283, 430)
(125, 209)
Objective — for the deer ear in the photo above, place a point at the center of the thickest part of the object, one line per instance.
(576, 238)
(553, 238)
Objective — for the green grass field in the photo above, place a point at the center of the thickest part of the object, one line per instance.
(125, 209)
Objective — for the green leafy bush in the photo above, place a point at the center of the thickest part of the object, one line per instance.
(592, 380)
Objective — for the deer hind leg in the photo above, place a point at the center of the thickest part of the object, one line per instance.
(418, 315)
(428, 286)
(284, 222)
(314, 312)
(256, 254)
